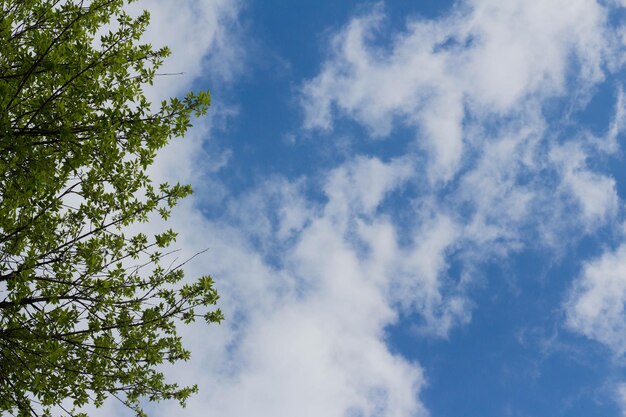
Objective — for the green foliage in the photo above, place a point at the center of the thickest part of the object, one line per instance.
(86, 311)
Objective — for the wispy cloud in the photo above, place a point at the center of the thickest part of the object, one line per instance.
(595, 306)
(486, 59)
(204, 37)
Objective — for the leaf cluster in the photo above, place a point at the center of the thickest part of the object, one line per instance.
(87, 311)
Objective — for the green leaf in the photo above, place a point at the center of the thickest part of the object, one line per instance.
(87, 310)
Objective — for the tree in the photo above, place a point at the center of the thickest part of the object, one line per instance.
(88, 310)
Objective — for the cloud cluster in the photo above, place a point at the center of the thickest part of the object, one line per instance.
(596, 305)
(307, 331)
(485, 59)
(474, 86)
(308, 285)
(204, 38)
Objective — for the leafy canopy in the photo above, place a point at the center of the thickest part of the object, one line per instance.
(87, 310)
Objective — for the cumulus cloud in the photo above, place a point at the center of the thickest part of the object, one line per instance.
(595, 307)
(305, 332)
(306, 335)
(501, 175)
(309, 285)
(473, 85)
(483, 59)
(204, 38)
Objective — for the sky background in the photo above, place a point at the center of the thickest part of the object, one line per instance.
(411, 208)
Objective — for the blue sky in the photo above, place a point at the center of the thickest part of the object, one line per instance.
(412, 208)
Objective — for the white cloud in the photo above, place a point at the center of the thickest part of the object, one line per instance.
(595, 306)
(595, 193)
(618, 123)
(620, 394)
(204, 37)
(500, 202)
(307, 337)
(472, 85)
(308, 287)
(361, 184)
(484, 59)
(419, 278)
